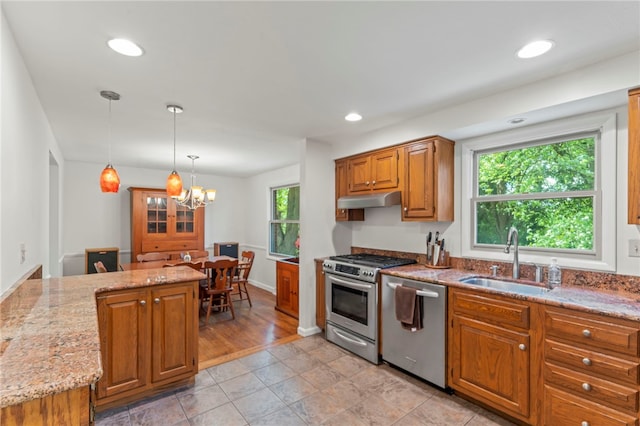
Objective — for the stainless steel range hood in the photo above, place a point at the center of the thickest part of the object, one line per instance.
(379, 199)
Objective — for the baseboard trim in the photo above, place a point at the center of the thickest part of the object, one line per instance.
(306, 332)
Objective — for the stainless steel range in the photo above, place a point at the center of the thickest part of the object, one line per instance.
(352, 297)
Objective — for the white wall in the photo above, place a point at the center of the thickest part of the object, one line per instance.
(25, 144)
(256, 221)
(94, 219)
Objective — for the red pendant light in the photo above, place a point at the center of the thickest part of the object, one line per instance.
(174, 182)
(109, 179)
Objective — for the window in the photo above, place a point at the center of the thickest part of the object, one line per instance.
(546, 189)
(284, 226)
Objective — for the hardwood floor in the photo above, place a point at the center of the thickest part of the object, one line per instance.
(254, 329)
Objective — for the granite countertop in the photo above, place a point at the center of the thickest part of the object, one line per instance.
(618, 304)
(49, 339)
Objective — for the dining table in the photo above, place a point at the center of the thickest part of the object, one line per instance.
(162, 263)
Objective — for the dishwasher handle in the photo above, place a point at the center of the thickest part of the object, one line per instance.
(423, 293)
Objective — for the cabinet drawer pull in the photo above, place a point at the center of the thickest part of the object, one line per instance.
(584, 423)
(522, 346)
(586, 332)
(586, 361)
(156, 300)
(373, 183)
(586, 386)
(367, 183)
(143, 302)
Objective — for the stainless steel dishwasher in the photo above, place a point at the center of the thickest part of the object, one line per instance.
(421, 352)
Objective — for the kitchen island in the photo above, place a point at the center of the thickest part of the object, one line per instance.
(50, 351)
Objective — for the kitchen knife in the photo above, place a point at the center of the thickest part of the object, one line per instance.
(429, 247)
(436, 253)
(442, 253)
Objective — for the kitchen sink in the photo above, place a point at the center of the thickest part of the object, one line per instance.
(507, 286)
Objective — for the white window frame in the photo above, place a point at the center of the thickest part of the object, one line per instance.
(272, 189)
(603, 257)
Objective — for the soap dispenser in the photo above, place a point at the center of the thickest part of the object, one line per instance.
(555, 274)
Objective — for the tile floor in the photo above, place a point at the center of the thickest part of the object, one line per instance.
(306, 382)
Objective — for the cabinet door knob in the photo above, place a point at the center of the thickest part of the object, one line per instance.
(584, 423)
(374, 183)
(586, 386)
(586, 361)
(143, 302)
(522, 346)
(367, 183)
(405, 209)
(156, 300)
(586, 332)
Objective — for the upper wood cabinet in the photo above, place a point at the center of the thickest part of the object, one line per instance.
(428, 180)
(342, 188)
(634, 157)
(159, 224)
(421, 169)
(375, 171)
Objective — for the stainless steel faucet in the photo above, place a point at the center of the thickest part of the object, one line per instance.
(512, 238)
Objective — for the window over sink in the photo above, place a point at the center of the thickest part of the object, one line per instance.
(554, 181)
(546, 189)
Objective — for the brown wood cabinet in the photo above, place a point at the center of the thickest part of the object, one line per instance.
(374, 171)
(70, 407)
(287, 286)
(634, 157)
(159, 224)
(148, 340)
(428, 180)
(342, 188)
(591, 369)
(490, 351)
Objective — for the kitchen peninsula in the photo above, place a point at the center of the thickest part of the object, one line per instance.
(51, 341)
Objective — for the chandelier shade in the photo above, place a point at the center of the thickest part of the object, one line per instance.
(195, 196)
(109, 179)
(174, 181)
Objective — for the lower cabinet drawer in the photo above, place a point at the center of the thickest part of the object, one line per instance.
(492, 309)
(563, 409)
(152, 246)
(590, 362)
(593, 388)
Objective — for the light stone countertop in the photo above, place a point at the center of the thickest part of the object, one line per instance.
(49, 339)
(618, 304)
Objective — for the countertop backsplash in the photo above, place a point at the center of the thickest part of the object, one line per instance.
(601, 281)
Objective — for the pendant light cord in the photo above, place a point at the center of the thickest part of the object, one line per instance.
(174, 139)
(109, 134)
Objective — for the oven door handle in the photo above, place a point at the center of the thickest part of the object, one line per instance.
(351, 284)
(349, 339)
(423, 293)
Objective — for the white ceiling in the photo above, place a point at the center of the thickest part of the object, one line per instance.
(255, 78)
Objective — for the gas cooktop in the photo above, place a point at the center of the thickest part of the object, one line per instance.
(373, 260)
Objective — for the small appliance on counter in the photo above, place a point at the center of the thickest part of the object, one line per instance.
(352, 298)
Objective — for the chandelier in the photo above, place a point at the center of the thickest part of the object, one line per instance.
(195, 196)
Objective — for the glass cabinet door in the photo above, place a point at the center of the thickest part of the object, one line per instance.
(185, 220)
(157, 215)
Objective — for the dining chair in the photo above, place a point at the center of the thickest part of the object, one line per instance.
(242, 277)
(219, 287)
(100, 268)
(148, 257)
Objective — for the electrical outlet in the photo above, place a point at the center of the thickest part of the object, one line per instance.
(23, 252)
(634, 248)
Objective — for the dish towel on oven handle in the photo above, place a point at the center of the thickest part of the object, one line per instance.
(408, 308)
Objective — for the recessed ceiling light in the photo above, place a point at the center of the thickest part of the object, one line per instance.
(125, 47)
(517, 120)
(535, 48)
(353, 116)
